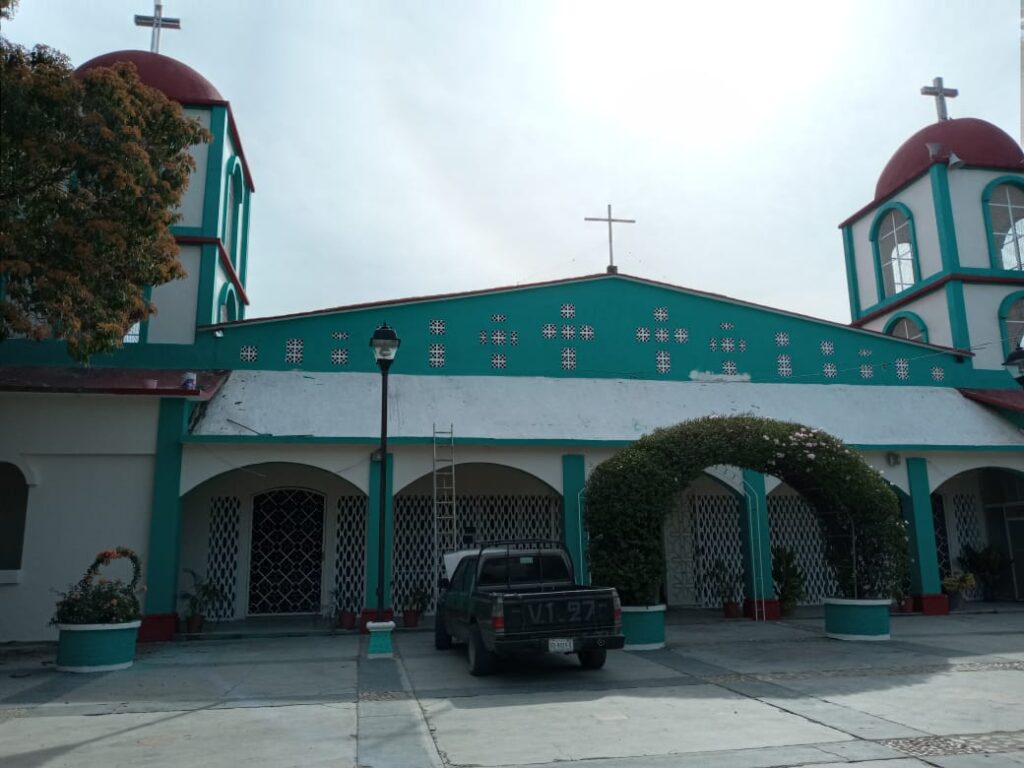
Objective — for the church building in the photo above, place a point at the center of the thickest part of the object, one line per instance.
(265, 477)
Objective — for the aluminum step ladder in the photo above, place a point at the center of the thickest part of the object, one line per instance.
(446, 521)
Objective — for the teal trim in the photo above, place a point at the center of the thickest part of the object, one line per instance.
(243, 272)
(234, 189)
(913, 316)
(851, 272)
(939, 448)
(756, 539)
(574, 479)
(147, 295)
(214, 170)
(181, 231)
(165, 517)
(957, 315)
(208, 266)
(880, 214)
(994, 251)
(944, 220)
(380, 644)
(373, 534)
(924, 562)
(228, 298)
(1004, 313)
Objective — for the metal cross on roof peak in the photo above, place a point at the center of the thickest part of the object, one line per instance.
(612, 269)
(157, 21)
(940, 93)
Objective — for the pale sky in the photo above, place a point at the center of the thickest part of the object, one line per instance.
(409, 148)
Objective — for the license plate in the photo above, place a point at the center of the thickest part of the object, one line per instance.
(560, 645)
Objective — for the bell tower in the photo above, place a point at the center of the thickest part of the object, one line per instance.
(213, 230)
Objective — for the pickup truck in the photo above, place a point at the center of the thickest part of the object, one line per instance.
(510, 597)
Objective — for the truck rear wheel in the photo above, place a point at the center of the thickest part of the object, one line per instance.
(481, 660)
(442, 640)
(593, 659)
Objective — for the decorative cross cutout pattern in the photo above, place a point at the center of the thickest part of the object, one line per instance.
(293, 351)
(339, 356)
(248, 353)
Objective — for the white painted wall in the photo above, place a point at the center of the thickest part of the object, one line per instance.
(91, 462)
(933, 310)
(175, 318)
(191, 207)
(982, 304)
(918, 198)
(965, 190)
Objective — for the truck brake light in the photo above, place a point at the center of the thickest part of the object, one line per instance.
(498, 615)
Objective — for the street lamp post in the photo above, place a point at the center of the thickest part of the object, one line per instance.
(385, 343)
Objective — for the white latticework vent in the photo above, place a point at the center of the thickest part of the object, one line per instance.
(222, 557)
(248, 353)
(293, 351)
(716, 536)
(793, 524)
(492, 517)
(349, 553)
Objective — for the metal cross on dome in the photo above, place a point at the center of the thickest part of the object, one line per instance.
(940, 93)
(157, 21)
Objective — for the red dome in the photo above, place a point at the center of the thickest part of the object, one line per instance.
(973, 141)
(177, 81)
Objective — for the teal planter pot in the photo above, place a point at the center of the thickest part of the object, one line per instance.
(96, 647)
(643, 627)
(857, 619)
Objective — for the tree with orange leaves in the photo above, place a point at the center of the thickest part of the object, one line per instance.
(92, 168)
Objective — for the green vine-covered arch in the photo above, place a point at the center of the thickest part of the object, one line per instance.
(629, 495)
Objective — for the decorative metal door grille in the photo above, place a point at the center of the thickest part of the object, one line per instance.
(716, 536)
(287, 552)
(222, 555)
(793, 523)
(492, 517)
(967, 514)
(941, 535)
(350, 552)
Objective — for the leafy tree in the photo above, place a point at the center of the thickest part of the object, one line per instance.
(92, 166)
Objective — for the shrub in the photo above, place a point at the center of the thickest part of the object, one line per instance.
(97, 600)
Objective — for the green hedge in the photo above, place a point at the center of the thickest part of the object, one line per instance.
(629, 495)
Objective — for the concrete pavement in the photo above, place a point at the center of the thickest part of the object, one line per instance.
(947, 691)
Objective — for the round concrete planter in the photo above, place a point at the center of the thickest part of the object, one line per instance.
(643, 627)
(856, 619)
(96, 647)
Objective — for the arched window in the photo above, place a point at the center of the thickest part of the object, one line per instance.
(893, 236)
(228, 309)
(1011, 321)
(13, 509)
(1005, 214)
(907, 325)
(233, 217)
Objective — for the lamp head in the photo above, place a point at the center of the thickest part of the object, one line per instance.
(385, 344)
(1014, 363)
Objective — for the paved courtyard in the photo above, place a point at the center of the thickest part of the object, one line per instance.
(947, 691)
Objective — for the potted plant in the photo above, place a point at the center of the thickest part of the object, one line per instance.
(789, 579)
(988, 566)
(98, 618)
(726, 583)
(955, 586)
(344, 617)
(204, 595)
(415, 604)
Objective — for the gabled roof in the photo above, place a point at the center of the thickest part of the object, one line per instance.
(565, 281)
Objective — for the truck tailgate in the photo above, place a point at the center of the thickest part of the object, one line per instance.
(558, 612)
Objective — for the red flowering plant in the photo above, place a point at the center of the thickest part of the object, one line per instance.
(98, 600)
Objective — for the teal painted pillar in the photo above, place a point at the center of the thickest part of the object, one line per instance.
(574, 478)
(924, 561)
(161, 567)
(758, 586)
(373, 534)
